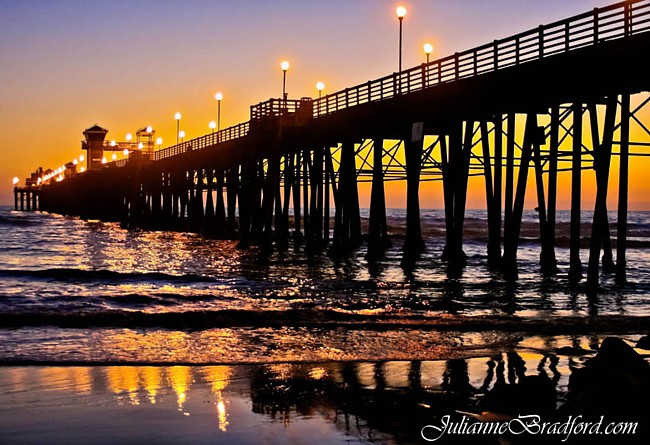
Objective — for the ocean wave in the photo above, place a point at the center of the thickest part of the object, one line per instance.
(70, 274)
(202, 320)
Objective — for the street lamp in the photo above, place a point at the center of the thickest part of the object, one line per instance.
(181, 134)
(218, 96)
(159, 143)
(401, 12)
(81, 158)
(320, 86)
(149, 129)
(114, 157)
(140, 145)
(125, 152)
(16, 180)
(428, 49)
(285, 66)
(177, 116)
(129, 136)
(212, 125)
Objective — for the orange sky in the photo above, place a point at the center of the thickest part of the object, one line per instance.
(126, 64)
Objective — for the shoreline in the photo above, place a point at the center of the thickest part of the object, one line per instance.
(329, 402)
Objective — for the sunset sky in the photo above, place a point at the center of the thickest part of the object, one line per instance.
(68, 64)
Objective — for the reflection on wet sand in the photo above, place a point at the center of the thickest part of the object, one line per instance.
(385, 401)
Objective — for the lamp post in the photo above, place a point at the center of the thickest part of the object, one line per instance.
(16, 180)
(285, 66)
(159, 143)
(212, 125)
(177, 116)
(218, 96)
(401, 12)
(181, 134)
(320, 86)
(428, 49)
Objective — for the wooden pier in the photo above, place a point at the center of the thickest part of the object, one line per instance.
(294, 162)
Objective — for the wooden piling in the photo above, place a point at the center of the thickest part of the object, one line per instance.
(413, 243)
(511, 236)
(624, 159)
(377, 226)
(575, 265)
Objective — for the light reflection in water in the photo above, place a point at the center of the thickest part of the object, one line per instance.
(289, 393)
(124, 381)
(219, 376)
(180, 379)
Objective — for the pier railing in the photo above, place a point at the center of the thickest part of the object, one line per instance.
(602, 24)
(200, 143)
(612, 22)
(274, 107)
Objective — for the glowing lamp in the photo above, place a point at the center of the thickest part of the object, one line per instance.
(401, 12)
(177, 116)
(81, 158)
(104, 160)
(114, 157)
(212, 125)
(126, 152)
(75, 162)
(129, 136)
(140, 146)
(149, 128)
(284, 65)
(219, 96)
(159, 141)
(16, 180)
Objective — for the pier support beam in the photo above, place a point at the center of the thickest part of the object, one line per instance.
(220, 207)
(349, 228)
(514, 217)
(208, 225)
(602, 153)
(547, 259)
(316, 196)
(575, 265)
(270, 191)
(621, 226)
(413, 244)
(377, 227)
(460, 149)
(232, 190)
(492, 191)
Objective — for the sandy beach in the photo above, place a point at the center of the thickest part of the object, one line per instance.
(278, 403)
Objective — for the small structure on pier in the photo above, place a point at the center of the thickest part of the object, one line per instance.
(94, 145)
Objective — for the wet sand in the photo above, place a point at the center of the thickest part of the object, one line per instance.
(275, 403)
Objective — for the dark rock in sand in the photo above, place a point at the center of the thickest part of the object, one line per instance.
(615, 384)
(643, 342)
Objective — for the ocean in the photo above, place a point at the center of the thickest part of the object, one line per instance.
(123, 336)
(89, 291)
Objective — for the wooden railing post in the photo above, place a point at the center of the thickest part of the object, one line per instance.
(517, 51)
(567, 37)
(456, 67)
(541, 41)
(595, 26)
(496, 55)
